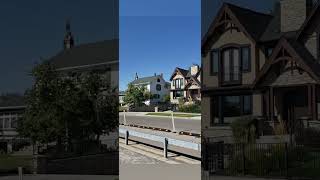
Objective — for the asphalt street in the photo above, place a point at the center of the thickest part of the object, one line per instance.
(181, 124)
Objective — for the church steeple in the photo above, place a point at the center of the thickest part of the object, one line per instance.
(68, 41)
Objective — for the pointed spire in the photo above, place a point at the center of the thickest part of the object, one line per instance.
(136, 76)
(68, 41)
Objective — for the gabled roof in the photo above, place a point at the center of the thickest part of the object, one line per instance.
(252, 23)
(90, 54)
(192, 80)
(145, 80)
(300, 54)
(183, 72)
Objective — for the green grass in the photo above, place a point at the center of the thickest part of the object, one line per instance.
(10, 163)
(175, 114)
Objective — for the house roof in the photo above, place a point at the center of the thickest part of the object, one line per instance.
(183, 72)
(146, 79)
(96, 53)
(12, 100)
(253, 23)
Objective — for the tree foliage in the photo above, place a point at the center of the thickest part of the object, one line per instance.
(63, 108)
(136, 95)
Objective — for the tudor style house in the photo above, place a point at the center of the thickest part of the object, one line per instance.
(156, 85)
(265, 65)
(186, 85)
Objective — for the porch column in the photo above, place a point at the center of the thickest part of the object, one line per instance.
(314, 104)
(271, 104)
(310, 100)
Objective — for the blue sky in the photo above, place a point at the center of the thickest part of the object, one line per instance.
(35, 28)
(158, 35)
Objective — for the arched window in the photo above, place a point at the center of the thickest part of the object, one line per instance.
(158, 87)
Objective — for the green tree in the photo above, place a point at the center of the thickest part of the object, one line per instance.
(65, 109)
(136, 95)
(166, 98)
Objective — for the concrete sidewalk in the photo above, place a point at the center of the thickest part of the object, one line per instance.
(61, 177)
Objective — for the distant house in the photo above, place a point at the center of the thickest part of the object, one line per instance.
(121, 96)
(186, 85)
(11, 110)
(156, 85)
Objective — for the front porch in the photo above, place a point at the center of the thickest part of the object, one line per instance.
(293, 106)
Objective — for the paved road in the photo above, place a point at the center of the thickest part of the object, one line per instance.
(181, 124)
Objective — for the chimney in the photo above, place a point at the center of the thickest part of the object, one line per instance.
(293, 13)
(161, 75)
(194, 69)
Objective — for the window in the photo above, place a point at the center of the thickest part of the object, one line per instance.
(247, 105)
(245, 59)
(268, 51)
(178, 83)
(214, 62)
(230, 65)
(156, 96)
(231, 106)
(158, 80)
(158, 87)
(177, 94)
(237, 105)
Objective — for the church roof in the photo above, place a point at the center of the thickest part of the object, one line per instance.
(84, 55)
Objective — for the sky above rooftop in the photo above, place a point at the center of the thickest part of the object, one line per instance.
(34, 28)
(157, 36)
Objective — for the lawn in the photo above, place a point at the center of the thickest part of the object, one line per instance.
(10, 163)
(175, 114)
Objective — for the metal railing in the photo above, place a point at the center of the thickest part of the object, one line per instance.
(263, 160)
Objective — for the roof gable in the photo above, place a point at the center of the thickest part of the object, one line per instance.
(289, 50)
(181, 71)
(251, 23)
(193, 81)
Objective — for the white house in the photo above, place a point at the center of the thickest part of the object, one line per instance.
(156, 85)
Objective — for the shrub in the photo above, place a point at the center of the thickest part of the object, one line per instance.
(308, 136)
(244, 129)
(191, 108)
